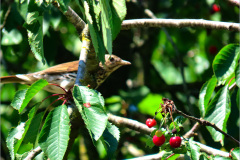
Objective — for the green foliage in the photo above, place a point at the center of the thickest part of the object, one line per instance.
(235, 153)
(95, 116)
(193, 150)
(157, 71)
(226, 62)
(205, 94)
(22, 97)
(54, 135)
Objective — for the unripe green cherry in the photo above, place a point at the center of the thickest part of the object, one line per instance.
(158, 133)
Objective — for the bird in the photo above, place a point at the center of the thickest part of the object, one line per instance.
(64, 75)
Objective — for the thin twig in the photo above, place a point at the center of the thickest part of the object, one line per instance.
(179, 23)
(207, 123)
(5, 17)
(192, 131)
(33, 153)
(140, 127)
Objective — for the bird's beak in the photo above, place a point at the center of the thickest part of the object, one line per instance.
(123, 62)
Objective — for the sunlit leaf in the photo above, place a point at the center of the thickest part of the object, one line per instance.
(22, 97)
(13, 37)
(225, 62)
(110, 139)
(194, 150)
(31, 116)
(106, 21)
(237, 74)
(35, 35)
(95, 116)
(54, 135)
(205, 94)
(235, 154)
(119, 12)
(15, 133)
(218, 113)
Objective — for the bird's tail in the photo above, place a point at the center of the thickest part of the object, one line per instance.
(13, 79)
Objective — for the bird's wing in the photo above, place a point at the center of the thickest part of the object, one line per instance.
(61, 68)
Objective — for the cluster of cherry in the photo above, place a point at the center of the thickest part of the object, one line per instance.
(159, 138)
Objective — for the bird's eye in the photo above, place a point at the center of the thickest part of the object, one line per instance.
(111, 59)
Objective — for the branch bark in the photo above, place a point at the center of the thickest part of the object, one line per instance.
(179, 23)
(33, 153)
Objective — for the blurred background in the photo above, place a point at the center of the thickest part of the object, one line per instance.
(166, 62)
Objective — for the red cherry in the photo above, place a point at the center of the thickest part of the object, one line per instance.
(151, 122)
(158, 141)
(213, 50)
(175, 142)
(215, 8)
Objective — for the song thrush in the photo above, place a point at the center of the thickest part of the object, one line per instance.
(65, 74)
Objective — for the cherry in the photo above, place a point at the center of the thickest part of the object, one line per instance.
(213, 50)
(158, 133)
(151, 122)
(158, 141)
(215, 8)
(175, 142)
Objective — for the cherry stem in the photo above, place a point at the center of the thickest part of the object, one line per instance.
(52, 96)
(53, 84)
(64, 101)
(55, 101)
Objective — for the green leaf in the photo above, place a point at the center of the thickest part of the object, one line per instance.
(194, 150)
(110, 139)
(32, 133)
(119, 11)
(54, 135)
(149, 142)
(95, 35)
(235, 154)
(63, 4)
(218, 113)
(34, 27)
(31, 116)
(221, 158)
(225, 62)
(106, 21)
(205, 94)
(95, 116)
(22, 97)
(13, 37)
(237, 74)
(14, 134)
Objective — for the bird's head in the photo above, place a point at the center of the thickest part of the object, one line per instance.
(113, 62)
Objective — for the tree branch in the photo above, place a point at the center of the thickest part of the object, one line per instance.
(140, 127)
(83, 55)
(207, 123)
(192, 131)
(73, 17)
(179, 23)
(33, 153)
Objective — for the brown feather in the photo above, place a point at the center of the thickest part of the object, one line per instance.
(61, 68)
(11, 79)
